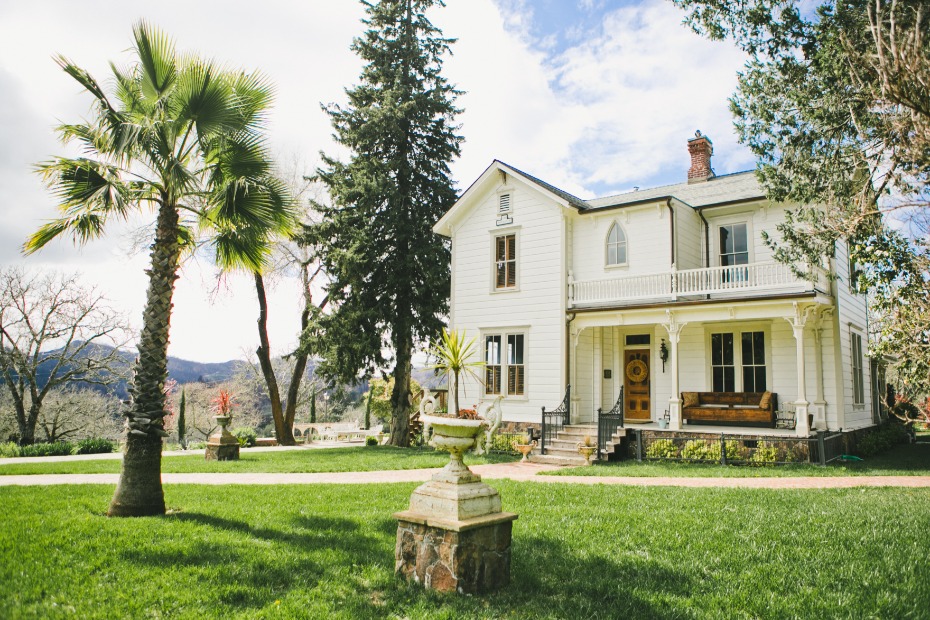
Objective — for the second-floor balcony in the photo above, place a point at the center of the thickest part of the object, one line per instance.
(738, 281)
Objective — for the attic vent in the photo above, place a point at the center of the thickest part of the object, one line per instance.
(504, 204)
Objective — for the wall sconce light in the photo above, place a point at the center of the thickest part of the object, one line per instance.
(663, 354)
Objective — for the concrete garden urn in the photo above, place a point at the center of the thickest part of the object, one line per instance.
(222, 445)
(524, 448)
(454, 537)
(587, 451)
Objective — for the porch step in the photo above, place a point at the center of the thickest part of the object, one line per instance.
(551, 459)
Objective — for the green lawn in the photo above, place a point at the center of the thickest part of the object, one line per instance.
(903, 460)
(368, 458)
(579, 552)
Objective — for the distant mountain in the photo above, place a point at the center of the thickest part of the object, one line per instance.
(182, 371)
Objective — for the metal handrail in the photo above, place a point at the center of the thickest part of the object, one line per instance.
(555, 420)
(608, 423)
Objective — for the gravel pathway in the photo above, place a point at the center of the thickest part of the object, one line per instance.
(524, 472)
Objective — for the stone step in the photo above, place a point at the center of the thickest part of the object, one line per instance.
(549, 459)
(557, 451)
(592, 428)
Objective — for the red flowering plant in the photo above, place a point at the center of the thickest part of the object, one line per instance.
(223, 404)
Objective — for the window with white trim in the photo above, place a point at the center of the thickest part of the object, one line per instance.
(749, 348)
(505, 261)
(509, 362)
(721, 362)
(734, 245)
(858, 372)
(492, 364)
(616, 245)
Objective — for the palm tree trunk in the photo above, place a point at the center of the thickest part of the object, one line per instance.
(139, 491)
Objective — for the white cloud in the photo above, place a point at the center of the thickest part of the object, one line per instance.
(611, 109)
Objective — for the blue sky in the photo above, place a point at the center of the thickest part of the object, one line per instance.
(594, 96)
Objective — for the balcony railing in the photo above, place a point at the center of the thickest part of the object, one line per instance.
(754, 278)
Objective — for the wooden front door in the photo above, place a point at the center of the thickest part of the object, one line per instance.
(637, 407)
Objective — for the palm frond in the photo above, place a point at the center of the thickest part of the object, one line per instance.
(156, 58)
(205, 99)
(241, 248)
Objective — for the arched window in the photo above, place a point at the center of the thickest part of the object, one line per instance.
(616, 246)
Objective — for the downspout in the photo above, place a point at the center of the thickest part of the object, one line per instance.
(671, 227)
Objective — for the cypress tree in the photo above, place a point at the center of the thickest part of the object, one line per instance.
(368, 409)
(389, 272)
(182, 427)
(313, 407)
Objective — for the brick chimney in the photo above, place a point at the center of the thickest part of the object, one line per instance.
(700, 148)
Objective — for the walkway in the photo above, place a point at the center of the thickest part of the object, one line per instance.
(522, 472)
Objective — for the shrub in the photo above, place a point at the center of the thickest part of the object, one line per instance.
(765, 453)
(736, 451)
(662, 449)
(701, 450)
(503, 442)
(881, 439)
(59, 448)
(9, 450)
(371, 440)
(95, 445)
(197, 445)
(246, 436)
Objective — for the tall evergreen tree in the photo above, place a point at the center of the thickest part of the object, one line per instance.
(389, 272)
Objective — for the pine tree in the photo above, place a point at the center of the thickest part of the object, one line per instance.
(389, 272)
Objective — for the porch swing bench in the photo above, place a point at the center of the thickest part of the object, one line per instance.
(741, 408)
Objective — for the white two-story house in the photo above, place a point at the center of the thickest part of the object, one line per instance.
(657, 294)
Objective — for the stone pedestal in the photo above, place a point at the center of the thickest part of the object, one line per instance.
(454, 537)
(222, 446)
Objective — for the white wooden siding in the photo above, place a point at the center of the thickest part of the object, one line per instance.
(536, 308)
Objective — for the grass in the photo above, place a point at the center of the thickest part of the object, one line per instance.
(326, 551)
(368, 458)
(903, 460)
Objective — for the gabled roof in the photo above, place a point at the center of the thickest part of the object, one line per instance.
(720, 190)
(724, 189)
(559, 196)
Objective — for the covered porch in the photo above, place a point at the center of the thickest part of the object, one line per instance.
(758, 366)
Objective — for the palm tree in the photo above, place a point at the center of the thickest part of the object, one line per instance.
(183, 137)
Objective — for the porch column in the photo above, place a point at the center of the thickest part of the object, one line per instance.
(573, 370)
(598, 372)
(673, 327)
(798, 323)
(820, 403)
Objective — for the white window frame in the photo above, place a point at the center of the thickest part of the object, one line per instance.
(738, 329)
(858, 368)
(716, 223)
(504, 334)
(495, 234)
(625, 243)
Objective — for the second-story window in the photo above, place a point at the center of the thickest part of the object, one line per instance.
(734, 245)
(616, 246)
(505, 258)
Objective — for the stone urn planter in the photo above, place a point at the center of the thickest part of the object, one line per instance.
(222, 445)
(587, 451)
(454, 537)
(524, 448)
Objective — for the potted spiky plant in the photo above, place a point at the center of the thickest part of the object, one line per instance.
(454, 357)
(222, 445)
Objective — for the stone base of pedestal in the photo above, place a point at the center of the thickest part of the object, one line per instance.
(222, 446)
(470, 556)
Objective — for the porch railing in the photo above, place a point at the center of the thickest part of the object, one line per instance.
(555, 420)
(670, 285)
(608, 423)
